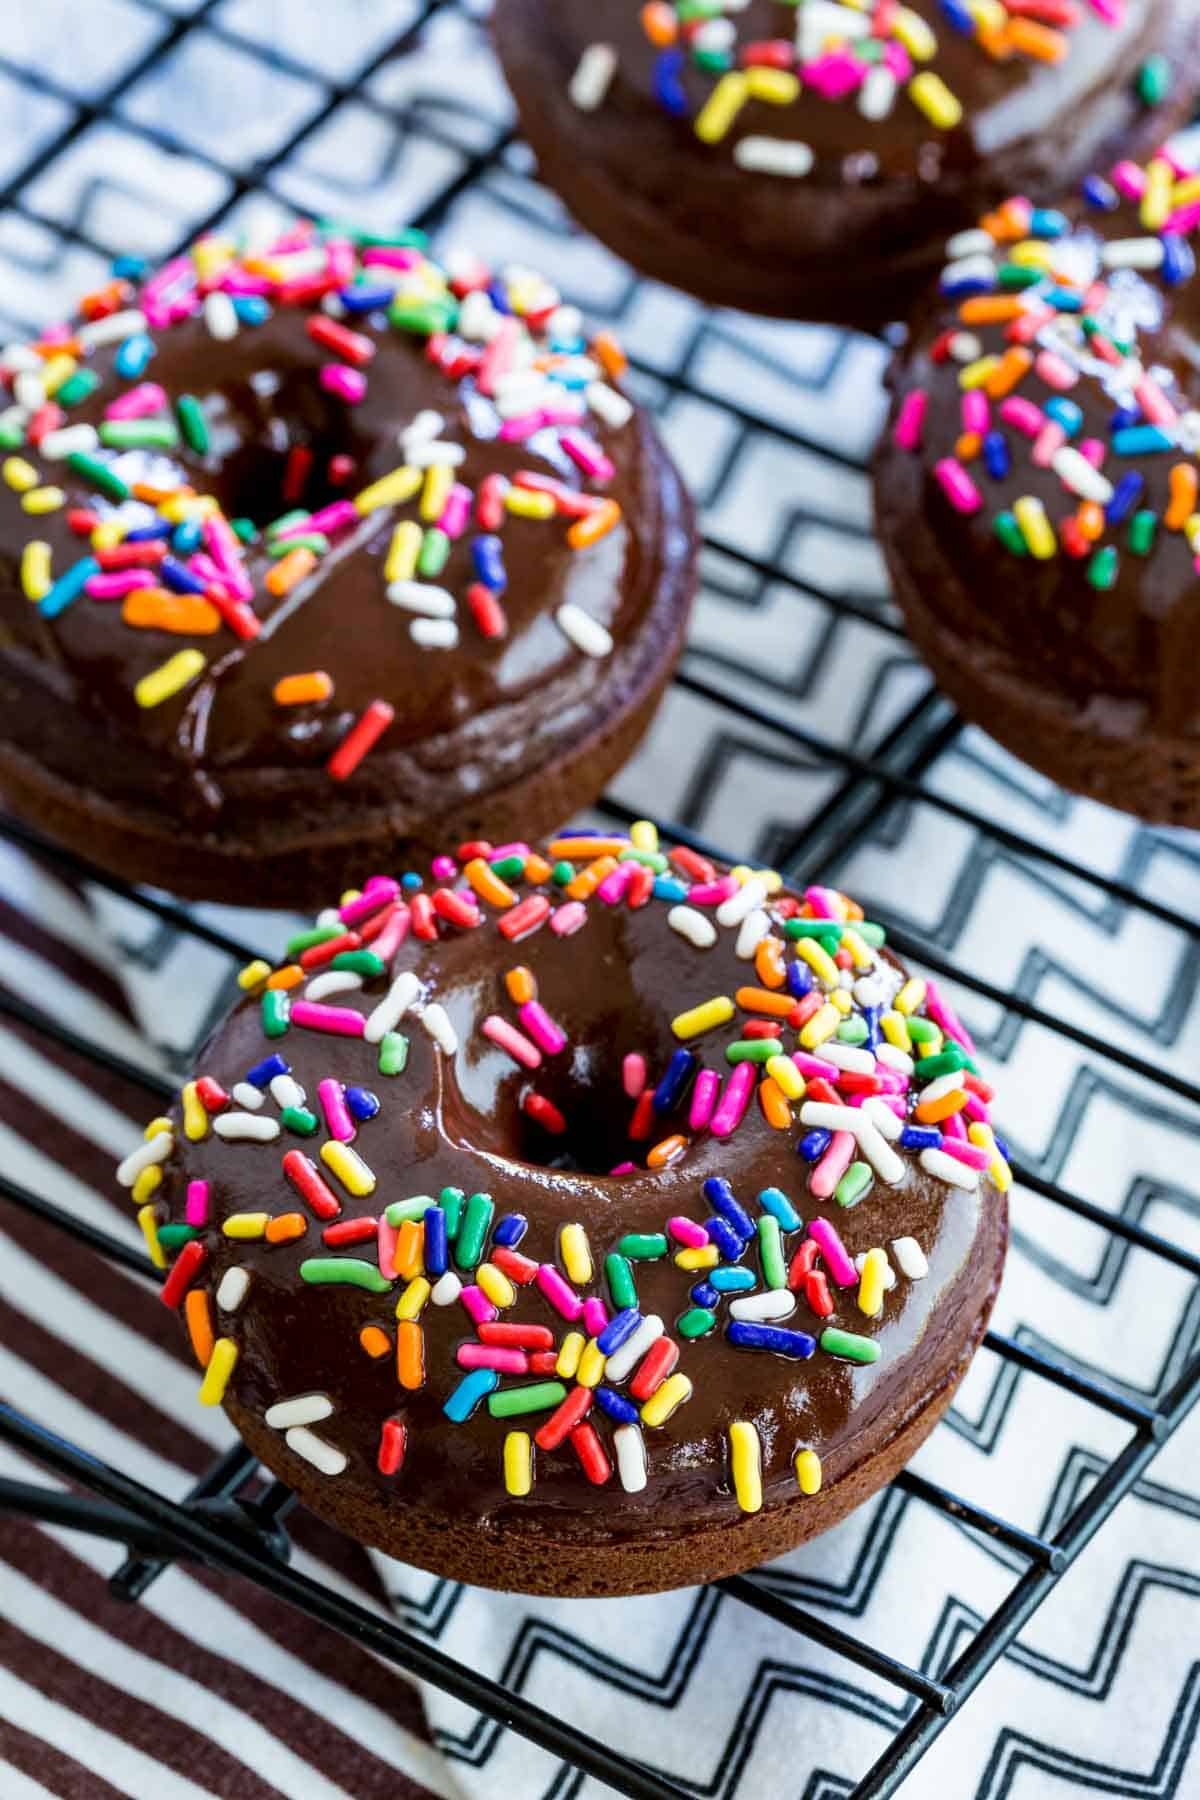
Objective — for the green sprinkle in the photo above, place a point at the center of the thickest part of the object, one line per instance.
(946, 1062)
(275, 1012)
(12, 436)
(854, 1184)
(451, 1202)
(244, 530)
(770, 1249)
(828, 932)
(561, 873)
(402, 1212)
(871, 933)
(696, 1322)
(1102, 570)
(1012, 277)
(509, 868)
(139, 434)
(714, 62)
(539, 1396)
(393, 1053)
(359, 962)
(643, 1246)
(193, 423)
(849, 1344)
(298, 1118)
(75, 388)
(853, 1030)
(423, 319)
(316, 541)
(1142, 528)
(752, 1050)
(921, 1031)
(618, 1272)
(649, 859)
(297, 516)
(308, 940)
(1010, 534)
(472, 1233)
(171, 1235)
(347, 1271)
(99, 474)
(1153, 82)
(434, 553)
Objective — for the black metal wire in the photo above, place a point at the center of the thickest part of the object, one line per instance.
(248, 1537)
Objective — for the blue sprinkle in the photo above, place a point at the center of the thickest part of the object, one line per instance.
(725, 1238)
(920, 1137)
(667, 888)
(185, 538)
(871, 1016)
(363, 1104)
(718, 1193)
(411, 881)
(956, 14)
(487, 553)
(1141, 440)
(996, 455)
(498, 295)
(769, 1337)
(469, 1392)
(799, 979)
(616, 1406)
(1064, 412)
(1044, 221)
(251, 309)
(133, 355)
(366, 299)
(1002, 1147)
(1125, 498)
(436, 1255)
(706, 1295)
(678, 1073)
(1101, 194)
(668, 84)
(174, 575)
(814, 1144)
(68, 587)
(1179, 259)
(1125, 415)
(1065, 300)
(129, 268)
(264, 1073)
(510, 1230)
(619, 1329)
(773, 1200)
(732, 1281)
(150, 534)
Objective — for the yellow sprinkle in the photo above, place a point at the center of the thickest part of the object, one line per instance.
(106, 536)
(771, 879)
(349, 1168)
(896, 1031)
(195, 1119)
(19, 474)
(528, 503)
(818, 960)
(663, 1401)
(702, 1256)
(43, 500)
(777, 86)
(178, 509)
(860, 952)
(745, 1456)
(569, 1354)
(36, 580)
(822, 1025)
(871, 1281)
(590, 1372)
(690, 1024)
(439, 479)
(989, 14)
(390, 490)
(929, 93)
(910, 996)
(808, 1471)
(1032, 253)
(1036, 528)
(842, 999)
(412, 1300)
(518, 1463)
(721, 108)
(975, 374)
(253, 975)
(156, 1127)
(786, 1076)
(643, 834)
(405, 547)
(169, 677)
(146, 1184)
(60, 368)
(576, 1254)
(1191, 531)
(983, 1135)
(221, 1365)
(495, 1284)
(1156, 200)
(149, 1224)
(1185, 191)
(914, 33)
(246, 1225)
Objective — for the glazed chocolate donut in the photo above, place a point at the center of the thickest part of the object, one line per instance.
(810, 162)
(596, 1222)
(330, 548)
(1036, 492)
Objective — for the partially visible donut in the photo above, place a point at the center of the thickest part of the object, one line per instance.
(516, 1219)
(475, 597)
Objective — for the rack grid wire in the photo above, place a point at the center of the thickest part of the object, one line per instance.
(866, 782)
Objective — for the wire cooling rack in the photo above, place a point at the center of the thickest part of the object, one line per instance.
(869, 779)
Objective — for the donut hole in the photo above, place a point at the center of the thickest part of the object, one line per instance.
(279, 437)
(597, 1112)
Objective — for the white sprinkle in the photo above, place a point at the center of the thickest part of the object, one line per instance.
(220, 316)
(446, 1290)
(1187, 432)
(422, 456)
(889, 1274)
(609, 405)
(1132, 253)
(965, 347)
(692, 925)
(565, 322)
(14, 418)
(773, 1303)
(29, 390)
(828, 1116)
(436, 1021)
(112, 330)
(329, 915)
(404, 991)
(877, 95)
(150, 1151)
(72, 440)
(739, 906)
(951, 1083)
(332, 981)
(893, 1057)
(240, 1127)
(849, 1056)
(881, 1114)
(911, 1258)
(970, 243)
(315, 1450)
(426, 425)
(948, 1168)
(478, 320)
(305, 1409)
(232, 1289)
(1080, 476)
(18, 357)
(422, 597)
(887, 1164)
(587, 634)
(773, 156)
(434, 634)
(247, 1095)
(285, 1089)
(593, 76)
(754, 928)
(969, 268)
(624, 1358)
(631, 1458)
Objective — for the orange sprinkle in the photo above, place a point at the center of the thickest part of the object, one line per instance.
(659, 24)
(1012, 368)
(537, 869)
(154, 496)
(300, 690)
(375, 1341)
(1028, 37)
(1091, 520)
(487, 884)
(769, 965)
(290, 976)
(968, 446)
(752, 999)
(929, 1112)
(995, 41)
(1183, 496)
(199, 1323)
(521, 985)
(290, 571)
(667, 1151)
(575, 848)
(594, 525)
(989, 309)
(853, 909)
(774, 1103)
(158, 609)
(409, 1254)
(609, 354)
(285, 1228)
(584, 885)
(410, 1353)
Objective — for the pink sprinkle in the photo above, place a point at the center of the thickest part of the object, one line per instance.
(1111, 11)
(732, 1105)
(633, 1074)
(1055, 370)
(515, 431)
(946, 1019)
(894, 1102)
(393, 934)
(976, 413)
(625, 1168)
(225, 552)
(910, 420)
(833, 1250)
(893, 1081)
(333, 1104)
(196, 1212)
(953, 1127)
(339, 260)
(541, 1028)
(1184, 218)
(587, 455)
(508, 1038)
(238, 282)
(478, 1305)
(1022, 414)
(833, 1165)
(338, 516)
(562, 1298)
(566, 920)
(595, 1315)
(456, 514)
(378, 891)
(1048, 442)
(977, 1110)
(492, 1356)
(503, 850)
(348, 384)
(957, 485)
(897, 59)
(612, 888)
(444, 868)
(138, 403)
(391, 256)
(114, 584)
(687, 1232)
(1094, 450)
(704, 1099)
(810, 1066)
(834, 75)
(385, 1248)
(1154, 402)
(497, 358)
(340, 1021)
(712, 893)
(973, 1155)
(171, 272)
(1127, 177)
(823, 902)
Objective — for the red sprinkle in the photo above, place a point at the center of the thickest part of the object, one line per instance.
(542, 1362)
(516, 1337)
(302, 1172)
(590, 1451)
(184, 1269)
(351, 346)
(318, 954)
(518, 1268)
(360, 738)
(692, 863)
(486, 611)
(802, 1264)
(543, 1112)
(525, 917)
(296, 473)
(456, 909)
(642, 1122)
(816, 1292)
(393, 1441)
(424, 921)
(820, 1089)
(211, 1094)
(350, 1231)
(654, 1368)
(564, 1419)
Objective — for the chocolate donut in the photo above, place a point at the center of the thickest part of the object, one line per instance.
(810, 162)
(595, 1221)
(330, 548)
(1036, 491)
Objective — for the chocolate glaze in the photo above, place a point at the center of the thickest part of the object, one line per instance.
(614, 988)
